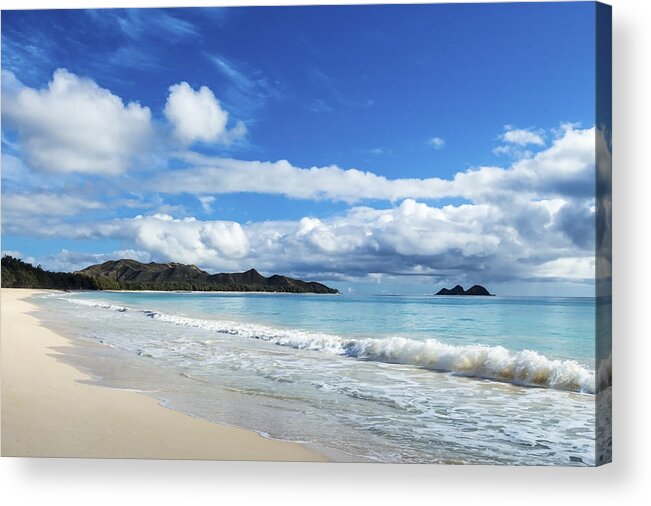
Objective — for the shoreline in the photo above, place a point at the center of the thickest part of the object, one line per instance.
(228, 292)
(49, 409)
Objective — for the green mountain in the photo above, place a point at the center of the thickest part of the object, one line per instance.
(133, 275)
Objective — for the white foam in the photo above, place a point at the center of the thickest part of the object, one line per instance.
(93, 303)
(526, 367)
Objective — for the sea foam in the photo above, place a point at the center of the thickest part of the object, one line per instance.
(524, 368)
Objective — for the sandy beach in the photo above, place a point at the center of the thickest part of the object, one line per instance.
(46, 412)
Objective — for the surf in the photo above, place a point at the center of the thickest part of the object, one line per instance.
(496, 363)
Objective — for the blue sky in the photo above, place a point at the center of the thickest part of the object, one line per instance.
(376, 148)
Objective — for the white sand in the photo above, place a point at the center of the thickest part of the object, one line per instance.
(46, 412)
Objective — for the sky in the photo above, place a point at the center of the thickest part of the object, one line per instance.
(377, 149)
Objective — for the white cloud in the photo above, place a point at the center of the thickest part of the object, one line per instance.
(45, 214)
(185, 240)
(436, 143)
(507, 239)
(523, 137)
(206, 202)
(567, 268)
(533, 219)
(504, 239)
(10, 83)
(232, 176)
(74, 125)
(512, 151)
(70, 261)
(198, 116)
(490, 241)
(15, 205)
(564, 168)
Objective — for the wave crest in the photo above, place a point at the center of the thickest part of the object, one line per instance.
(524, 368)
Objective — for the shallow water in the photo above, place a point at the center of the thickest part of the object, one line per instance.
(391, 379)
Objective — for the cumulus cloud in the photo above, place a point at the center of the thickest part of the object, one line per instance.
(198, 116)
(531, 220)
(493, 241)
(523, 136)
(518, 238)
(436, 143)
(74, 125)
(154, 237)
(566, 167)
(185, 240)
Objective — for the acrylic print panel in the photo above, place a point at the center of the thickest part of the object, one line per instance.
(375, 233)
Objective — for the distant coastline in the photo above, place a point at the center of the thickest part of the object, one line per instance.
(224, 292)
(131, 275)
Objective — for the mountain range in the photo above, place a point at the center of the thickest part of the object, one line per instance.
(128, 274)
(134, 275)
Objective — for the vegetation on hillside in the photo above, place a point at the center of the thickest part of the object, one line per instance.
(132, 275)
(19, 274)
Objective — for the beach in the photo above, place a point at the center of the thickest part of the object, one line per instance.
(48, 412)
(413, 379)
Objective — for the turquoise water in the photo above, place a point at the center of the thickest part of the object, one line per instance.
(392, 379)
(557, 327)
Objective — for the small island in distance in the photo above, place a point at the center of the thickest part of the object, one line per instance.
(128, 274)
(473, 290)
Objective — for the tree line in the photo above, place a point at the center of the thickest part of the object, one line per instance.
(19, 274)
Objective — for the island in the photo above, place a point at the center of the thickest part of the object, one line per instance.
(126, 274)
(458, 290)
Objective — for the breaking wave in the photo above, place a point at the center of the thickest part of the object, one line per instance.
(524, 368)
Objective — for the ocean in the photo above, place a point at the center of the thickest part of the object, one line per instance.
(413, 379)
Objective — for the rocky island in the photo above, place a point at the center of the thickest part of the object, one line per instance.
(458, 290)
